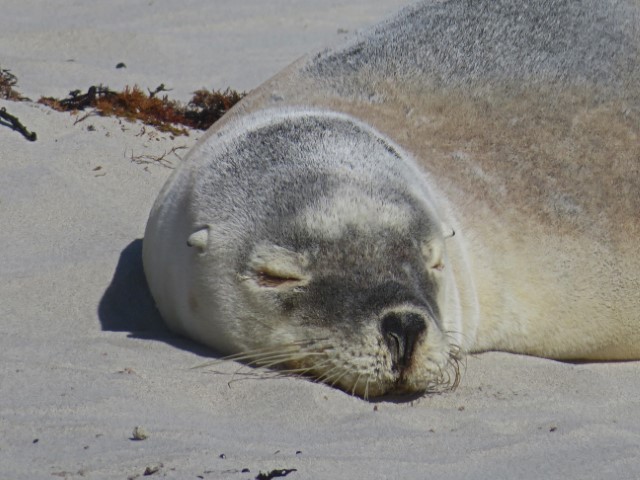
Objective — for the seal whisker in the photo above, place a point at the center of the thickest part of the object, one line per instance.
(264, 372)
(284, 359)
(273, 348)
(366, 387)
(259, 353)
(327, 376)
(448, 378)
(340, 377)
(304, 370)
(249, 359)
(452, 336)
(355, 384)
(278, 356)
(239, 357)
(332, 375)
(253, 359)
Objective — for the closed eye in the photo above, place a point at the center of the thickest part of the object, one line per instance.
(271, 280)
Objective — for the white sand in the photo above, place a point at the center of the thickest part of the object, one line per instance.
(84, 357)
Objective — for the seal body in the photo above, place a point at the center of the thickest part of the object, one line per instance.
(314, 223)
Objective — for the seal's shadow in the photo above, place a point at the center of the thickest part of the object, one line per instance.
(127, 305)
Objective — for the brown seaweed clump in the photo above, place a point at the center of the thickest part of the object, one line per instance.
(207, 106)
(132, 103)
(7, 81)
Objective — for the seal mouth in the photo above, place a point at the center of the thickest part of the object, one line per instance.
(371, 375)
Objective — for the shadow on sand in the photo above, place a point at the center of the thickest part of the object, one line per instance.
(127, 305)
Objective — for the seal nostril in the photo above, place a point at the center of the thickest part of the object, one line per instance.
(395, 345)
(401, 332)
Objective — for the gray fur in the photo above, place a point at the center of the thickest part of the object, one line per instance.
(257, 186)
(471, 43)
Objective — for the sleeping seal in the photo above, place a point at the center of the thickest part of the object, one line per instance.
(463, 177)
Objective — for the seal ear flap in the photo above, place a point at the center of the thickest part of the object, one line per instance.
(433, 252)
(447, 231)
(199, 239)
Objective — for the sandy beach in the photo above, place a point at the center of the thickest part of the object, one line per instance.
(84, 356)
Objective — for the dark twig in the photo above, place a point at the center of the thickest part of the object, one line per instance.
(83, 118)
(159, 88)
(13, 123)
(157, 159)
(283, 472)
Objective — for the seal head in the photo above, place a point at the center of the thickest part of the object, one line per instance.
(308, 242)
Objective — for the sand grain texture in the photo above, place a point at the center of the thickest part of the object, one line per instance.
(84, 357)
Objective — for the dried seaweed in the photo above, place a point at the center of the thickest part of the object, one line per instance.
(7, 81)
(206, 106)
(132, 103)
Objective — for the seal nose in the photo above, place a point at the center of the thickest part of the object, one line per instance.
(401, 331)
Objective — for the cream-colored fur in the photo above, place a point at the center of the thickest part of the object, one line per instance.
(524, 121)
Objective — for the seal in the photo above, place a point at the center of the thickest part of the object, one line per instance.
(463, 177)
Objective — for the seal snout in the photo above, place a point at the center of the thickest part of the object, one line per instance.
(401, 332)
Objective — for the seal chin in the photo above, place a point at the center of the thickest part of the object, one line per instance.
(406, 357)
(379, 381)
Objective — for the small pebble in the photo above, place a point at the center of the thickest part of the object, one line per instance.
(139, 433)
